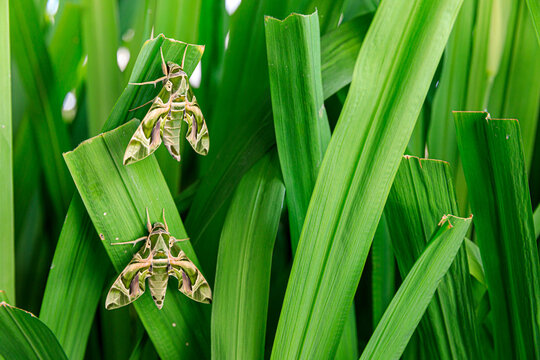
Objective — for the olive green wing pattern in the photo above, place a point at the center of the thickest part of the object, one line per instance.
(147, 137)
(130, 284)
(197, 133)
(190, 280)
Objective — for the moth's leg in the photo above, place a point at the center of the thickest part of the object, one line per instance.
(131, 242)
(148, 223)
(165, 221)
(154, 82)
(146, 103)
(184, 56)
(172, 240)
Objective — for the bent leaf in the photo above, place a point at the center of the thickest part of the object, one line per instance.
(24, 336)
(415, 293)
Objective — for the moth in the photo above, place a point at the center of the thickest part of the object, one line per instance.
(156, 261)
(163, 121)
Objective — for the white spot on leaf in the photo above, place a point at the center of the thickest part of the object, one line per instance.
(173, 324)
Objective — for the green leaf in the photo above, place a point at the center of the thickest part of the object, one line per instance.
(244, 262)
(536, 218)
(451, 94)
(34, 65)
(300, 121)
(516, 88)
(382, 271)
(68, 308)
(339, 49)
(357, 171)
(100, 36)
(66, 48)
(423, 192)
(534, 9)
(76, 280)
(415, 293)
(494, 167)
(7, 243)
(25, 337)
(116, 204)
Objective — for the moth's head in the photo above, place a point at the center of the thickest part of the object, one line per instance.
(158, 226)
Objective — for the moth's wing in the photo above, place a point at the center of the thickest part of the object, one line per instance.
(197, 133)
(172, 127)
(147, 137)
(130, 284)
(190, 280)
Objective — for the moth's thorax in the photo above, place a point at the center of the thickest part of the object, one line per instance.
(159, 241)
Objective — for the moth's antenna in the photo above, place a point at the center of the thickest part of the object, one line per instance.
(163, 65)
(165, 221)
(184, 56)
(148, 224)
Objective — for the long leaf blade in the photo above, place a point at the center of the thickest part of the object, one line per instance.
(7, 243)
(244, 263)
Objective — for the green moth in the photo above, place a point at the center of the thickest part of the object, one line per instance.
(163, 121)
(156, 261)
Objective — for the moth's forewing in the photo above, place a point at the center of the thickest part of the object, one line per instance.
(197, 133)
(130, 284)
(147, 137)
(190, 280)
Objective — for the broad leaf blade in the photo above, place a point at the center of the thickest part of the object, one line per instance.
(385, 98)
(415, 293)
(116, 204)
(300, 121)
(494, 166)
(24, 336)
(244, 263)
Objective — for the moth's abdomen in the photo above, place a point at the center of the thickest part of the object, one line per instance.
(158, 284)
(171, 135)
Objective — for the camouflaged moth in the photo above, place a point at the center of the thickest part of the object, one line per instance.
(163, 121)
(156, 261)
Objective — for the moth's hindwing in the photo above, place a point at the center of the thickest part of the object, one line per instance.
(147, 137)
(130, 284)
(190, 280)
(197, 133)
